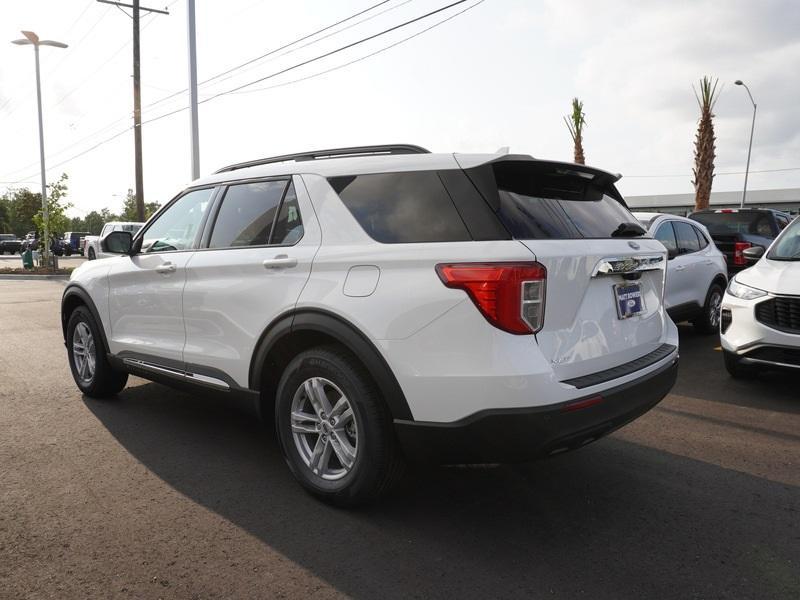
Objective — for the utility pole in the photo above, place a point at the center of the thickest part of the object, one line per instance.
(195, 149)
(137, 101)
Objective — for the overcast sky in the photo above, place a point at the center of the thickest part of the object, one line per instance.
(501, 74)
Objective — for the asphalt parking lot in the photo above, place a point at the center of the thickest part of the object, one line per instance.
(162, 494)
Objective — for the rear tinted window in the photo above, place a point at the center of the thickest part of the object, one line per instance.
(402, 207)
(539, 201)
(729, 223)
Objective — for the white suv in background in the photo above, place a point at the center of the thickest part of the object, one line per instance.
(385, 303)
(761, 309)
(697, 271)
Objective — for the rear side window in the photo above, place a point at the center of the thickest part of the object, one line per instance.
(701, 237)
(397, 208)
(666, 235)
(289, 226)
(247, 213)
(686, 237)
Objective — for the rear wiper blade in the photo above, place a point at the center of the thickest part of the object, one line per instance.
(628, 230)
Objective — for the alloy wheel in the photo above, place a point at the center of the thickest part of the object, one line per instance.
(84, 354)
(324, 428)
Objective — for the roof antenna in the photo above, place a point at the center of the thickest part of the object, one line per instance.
(502, 150)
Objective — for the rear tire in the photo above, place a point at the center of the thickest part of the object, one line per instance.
(88, 361)
(314, 433)
(708, 321)
(91, 254)
(736, 369)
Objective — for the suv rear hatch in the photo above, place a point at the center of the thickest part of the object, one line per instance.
(605, 279)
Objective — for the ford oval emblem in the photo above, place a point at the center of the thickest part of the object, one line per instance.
(633, 245)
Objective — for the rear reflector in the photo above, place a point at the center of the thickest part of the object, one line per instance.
(738, 252)
(511, 296)
(581, 404)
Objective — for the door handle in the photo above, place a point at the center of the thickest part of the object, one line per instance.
(281, 261)
(680, 267)
(167, 267)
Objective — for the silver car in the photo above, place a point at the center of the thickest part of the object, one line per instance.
(696, 270)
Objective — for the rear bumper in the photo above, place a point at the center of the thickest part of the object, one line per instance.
(514, 435)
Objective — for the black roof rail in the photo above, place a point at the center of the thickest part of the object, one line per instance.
(331, 153)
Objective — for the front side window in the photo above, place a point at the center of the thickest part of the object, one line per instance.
(686, 238)
(787, 247)
(247, 214)
(176, 227)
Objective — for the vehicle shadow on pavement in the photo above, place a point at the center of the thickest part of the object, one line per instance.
(700, 362)
(614, 520)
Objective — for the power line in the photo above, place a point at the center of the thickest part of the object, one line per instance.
(319, 39)
(310, 60)
(715, 174)
(126, 44)
(370, 55)
(257, 58)
(107, 140)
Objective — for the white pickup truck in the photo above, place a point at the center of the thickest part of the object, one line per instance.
(91, 243)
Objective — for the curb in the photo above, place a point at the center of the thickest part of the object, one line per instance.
(34, 277)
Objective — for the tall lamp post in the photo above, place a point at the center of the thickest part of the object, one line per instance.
(750, 147)
(31, 39)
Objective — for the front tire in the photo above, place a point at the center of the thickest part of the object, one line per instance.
(91, 254)
(334, 428)
(708, 321)
(736, 369)
(88, 361)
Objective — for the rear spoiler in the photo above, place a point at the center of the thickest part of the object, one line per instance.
(568, 179)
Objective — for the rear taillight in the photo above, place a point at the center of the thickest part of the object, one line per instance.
(510, 295)
(738, 252)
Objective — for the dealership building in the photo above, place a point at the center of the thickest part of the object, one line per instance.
(787, 200)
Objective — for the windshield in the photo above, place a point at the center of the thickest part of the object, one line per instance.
(787, 246)
(730, 223)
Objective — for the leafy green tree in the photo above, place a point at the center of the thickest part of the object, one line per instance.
(129, 212)
(56, 208)
(23, 204)
(5, 214)
(77, 224)
(94, 221)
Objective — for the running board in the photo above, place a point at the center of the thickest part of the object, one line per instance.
(177, 373)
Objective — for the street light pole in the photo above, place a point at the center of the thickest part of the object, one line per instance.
(750, 146)
(31, 39)
(193, 119)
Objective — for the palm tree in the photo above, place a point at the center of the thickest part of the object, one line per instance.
(704, 143)
(575, 123)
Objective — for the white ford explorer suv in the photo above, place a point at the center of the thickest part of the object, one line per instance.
(388, 304)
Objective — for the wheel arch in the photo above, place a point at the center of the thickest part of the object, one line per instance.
(294, 332)
(75, 296)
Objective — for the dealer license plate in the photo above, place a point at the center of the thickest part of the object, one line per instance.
(629, 300)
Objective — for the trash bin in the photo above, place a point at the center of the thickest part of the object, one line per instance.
(27, 259)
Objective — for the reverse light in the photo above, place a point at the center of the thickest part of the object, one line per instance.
(738, 252)
(745, 292)
(511, 296)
